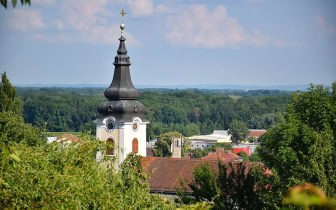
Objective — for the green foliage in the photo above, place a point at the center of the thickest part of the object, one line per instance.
(309, 197)
(303, 148)
(254, 157)
(14, 130)
(243, 155)
(204, 186)
(196, 206)
(199, 153)
(225, 146)
(238, 131)
(14, 2)
(235, 186)
(59, 110)
(190, 112)
(252, 139)
(50, 177)
(163, 145)
(8, 101)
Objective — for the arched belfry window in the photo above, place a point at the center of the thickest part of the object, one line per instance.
(110, 146)
(135, 146)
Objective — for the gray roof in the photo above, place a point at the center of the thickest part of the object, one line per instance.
(121, 94)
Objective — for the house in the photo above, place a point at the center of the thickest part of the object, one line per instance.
(166, 174)
(248, 148)
(245, 149)
(204, 141)
(256, 133)
(223, 155)
(51, 139)
(67, 138)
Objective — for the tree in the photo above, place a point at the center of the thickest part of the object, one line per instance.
(303, 148)
(205, 185)
(199, 153)
(14, 2)
(50, 177)
(163, 145)
(14, 130)
(235, 186)
(243, 155)
(8, 100)
(238, 131)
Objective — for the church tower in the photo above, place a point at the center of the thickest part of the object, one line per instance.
(121, 123)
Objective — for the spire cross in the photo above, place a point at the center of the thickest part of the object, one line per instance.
(122, 25)
(123, 13)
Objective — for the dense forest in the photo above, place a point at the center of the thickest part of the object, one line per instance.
(189, 112)
(34, 174)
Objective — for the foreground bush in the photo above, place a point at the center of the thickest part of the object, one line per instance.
(54, 178)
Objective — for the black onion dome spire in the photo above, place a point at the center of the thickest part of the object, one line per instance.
(121, 86)
(121, 94)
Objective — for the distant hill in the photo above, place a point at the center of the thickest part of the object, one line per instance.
(210, 87)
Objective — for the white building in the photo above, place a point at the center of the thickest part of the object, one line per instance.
(204, 141)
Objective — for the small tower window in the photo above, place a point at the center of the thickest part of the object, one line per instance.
(109, 108)
(135, 146)
(135, 109)
(110, 146)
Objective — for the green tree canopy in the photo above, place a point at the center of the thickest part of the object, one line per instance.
(13, 130)
(238, 131)
(234, 186)
(243, 155)
(50, 177)
(4, 3)
(303, 148)
(162, 146)
(8, 99)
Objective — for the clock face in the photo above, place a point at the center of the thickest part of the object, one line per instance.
(135, 125)
(110, 125)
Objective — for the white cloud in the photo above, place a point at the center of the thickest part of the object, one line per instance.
(324, 26)
(196, 26)
(22, 19)
(164, 9)
(85, 21)
(140, 7)
(258, 39)
(84, 14)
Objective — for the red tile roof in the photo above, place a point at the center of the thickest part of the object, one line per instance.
(67, 137)
(224, 156)
(256, 133)
(241, 149)
(165, 173)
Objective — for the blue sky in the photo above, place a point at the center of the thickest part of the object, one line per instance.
(171, 42)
